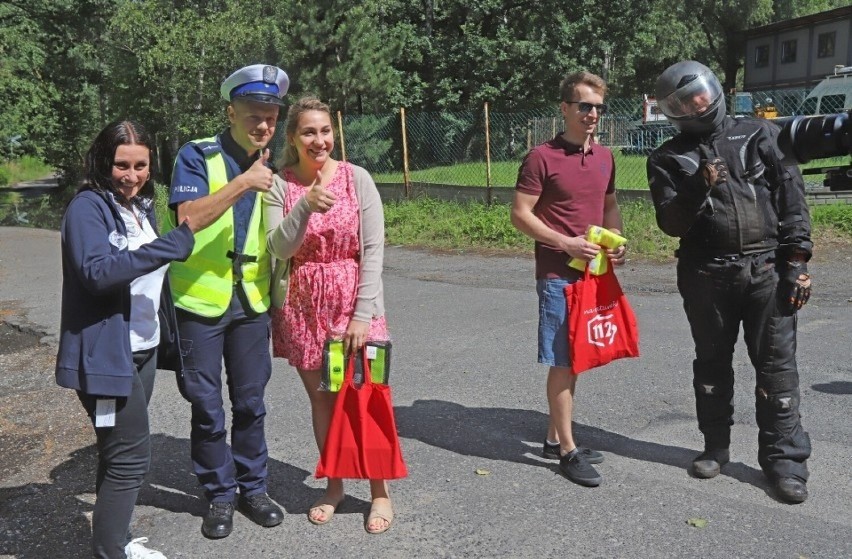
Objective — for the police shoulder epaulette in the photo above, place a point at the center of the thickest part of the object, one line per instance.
(209, 148)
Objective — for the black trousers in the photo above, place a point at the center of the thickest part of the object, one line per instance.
(124, 457)
(719, 294)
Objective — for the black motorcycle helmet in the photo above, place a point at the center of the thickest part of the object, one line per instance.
(691, 97)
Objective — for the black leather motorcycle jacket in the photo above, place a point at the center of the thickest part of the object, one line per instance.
(760, 207)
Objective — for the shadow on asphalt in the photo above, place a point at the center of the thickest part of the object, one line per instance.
(40, 518)
(492, 433)
(500, 434)
(172, 486)
(834, 387)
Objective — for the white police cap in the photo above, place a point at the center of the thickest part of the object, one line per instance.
(259, 82)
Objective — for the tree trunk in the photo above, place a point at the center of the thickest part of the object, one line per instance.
(734, 47)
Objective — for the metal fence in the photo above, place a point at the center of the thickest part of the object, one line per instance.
(484, 148)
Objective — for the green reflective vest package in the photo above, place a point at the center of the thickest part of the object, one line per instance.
(334, 364)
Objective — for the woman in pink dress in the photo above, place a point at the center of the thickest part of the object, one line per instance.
(326, 217)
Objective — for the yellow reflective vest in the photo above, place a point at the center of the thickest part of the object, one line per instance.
(204, 284)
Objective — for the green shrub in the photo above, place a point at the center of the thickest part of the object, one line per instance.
(161, 204)
(644, 237)
(24, 169)
(32, 168)
(835, 216)
(433, 223)
(492, 227)
(429, 222)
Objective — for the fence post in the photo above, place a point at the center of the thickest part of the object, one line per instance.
(553, 132)
(405, 176)
(342, 139)
(487, 157)
(529, 135)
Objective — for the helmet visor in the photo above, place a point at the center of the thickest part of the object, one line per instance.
(695, 94)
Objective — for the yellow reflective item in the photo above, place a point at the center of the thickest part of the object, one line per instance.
(336, 365)
(606, 239)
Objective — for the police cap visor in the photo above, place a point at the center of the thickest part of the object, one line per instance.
(260, 83)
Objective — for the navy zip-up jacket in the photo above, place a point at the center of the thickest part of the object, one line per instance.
(94, 353)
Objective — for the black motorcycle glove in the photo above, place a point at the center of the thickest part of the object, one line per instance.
(712, 168)
(794, 286)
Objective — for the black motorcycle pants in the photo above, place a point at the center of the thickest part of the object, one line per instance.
(719, 294)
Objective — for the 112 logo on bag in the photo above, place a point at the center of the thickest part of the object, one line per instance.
(601, 331)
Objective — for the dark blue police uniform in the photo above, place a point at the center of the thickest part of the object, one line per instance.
(239, 338)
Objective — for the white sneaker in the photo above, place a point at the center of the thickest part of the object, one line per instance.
(135, 550)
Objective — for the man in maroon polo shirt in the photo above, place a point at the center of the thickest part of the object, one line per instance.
(564, 186)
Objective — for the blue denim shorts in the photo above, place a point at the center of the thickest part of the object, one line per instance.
(553, 322)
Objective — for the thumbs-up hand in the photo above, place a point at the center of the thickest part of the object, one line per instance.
(259, 176)
(713, 168)
(319, 198)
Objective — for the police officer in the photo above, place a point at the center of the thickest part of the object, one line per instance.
(222, 294)
(744, 231)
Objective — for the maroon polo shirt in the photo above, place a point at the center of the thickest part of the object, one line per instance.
(571, 186)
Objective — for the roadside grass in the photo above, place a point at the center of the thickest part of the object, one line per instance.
(437, 224)
(835, 220)
(430, 223)
(24, 169)
(470, 226)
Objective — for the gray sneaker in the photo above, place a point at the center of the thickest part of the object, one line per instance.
(552, 452)
(575, 467)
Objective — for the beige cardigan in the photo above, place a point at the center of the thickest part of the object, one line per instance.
(285, 234)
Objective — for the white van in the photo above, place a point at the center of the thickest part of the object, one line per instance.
(831, 95)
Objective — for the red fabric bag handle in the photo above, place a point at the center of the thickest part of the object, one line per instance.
(366, 375)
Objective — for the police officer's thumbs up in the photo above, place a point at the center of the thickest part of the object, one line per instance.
(259, 176)
(319, 198)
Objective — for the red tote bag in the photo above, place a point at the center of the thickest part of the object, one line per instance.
(601, 324)
(362, 442)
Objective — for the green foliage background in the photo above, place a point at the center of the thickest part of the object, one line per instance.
(67, 67)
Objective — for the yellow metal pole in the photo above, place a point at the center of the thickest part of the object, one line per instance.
(405, 176)
(487, 156)
(342, 139)
(529, 135)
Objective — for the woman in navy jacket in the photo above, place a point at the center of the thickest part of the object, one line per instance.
(113, 275)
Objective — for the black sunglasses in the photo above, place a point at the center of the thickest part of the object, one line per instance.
(586, 107)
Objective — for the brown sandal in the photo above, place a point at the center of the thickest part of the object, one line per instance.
(380, 512)
(328, 509)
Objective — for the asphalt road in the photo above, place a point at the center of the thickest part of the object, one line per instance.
(468, 396)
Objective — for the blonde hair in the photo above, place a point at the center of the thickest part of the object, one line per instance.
(571, 81)
(289, 156)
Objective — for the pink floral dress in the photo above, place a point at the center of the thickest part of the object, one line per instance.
(324, 276)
